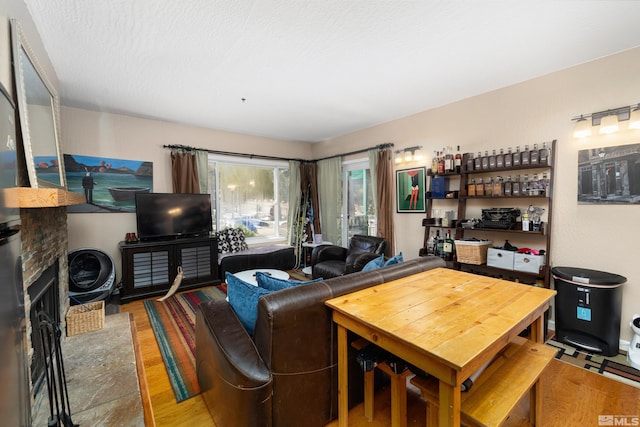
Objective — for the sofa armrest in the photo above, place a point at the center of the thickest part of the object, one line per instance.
(356, 262)
(229, 368)
(328, 252)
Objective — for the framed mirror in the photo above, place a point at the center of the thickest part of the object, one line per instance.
(38, 108)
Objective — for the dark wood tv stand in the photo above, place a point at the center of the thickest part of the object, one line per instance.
(150, 267)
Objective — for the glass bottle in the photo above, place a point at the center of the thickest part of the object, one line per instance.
(533, 155)
(524, 185)
(434, 163)
(457, 161)
(447, 247)
(507, 186)
(471, 188)
(524, 156)
(544, 154)
(441, 163)
(508, 159)
(525, 222)
(534, 188)
(488, 187)
(500, 159)
(492, 160)
(516, 156)
(439, 244)
(515, 187)
(498, 187)
(485, 160)
(448, 160)
(545, 184)
(479, 187)
(431, 245)
(478, 162)
(470, 162)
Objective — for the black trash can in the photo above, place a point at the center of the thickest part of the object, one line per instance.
(588, 306)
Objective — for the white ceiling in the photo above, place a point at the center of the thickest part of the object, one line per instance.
(309, 70)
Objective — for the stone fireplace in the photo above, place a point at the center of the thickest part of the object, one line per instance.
(45, 272)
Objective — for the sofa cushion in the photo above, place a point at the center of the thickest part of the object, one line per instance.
(271, 283)
(244, 297)
(237, 241)
(397, 259)
(374, 263)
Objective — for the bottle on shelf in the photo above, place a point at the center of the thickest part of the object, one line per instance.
(485, 160)
(434, 162)
(516, 156)
(545, 184)
(471, 188)
(543, 155)
(524, 185)
(498, 187)
(525, 222)
(448, 160)
(477, 165)
(431, 245)
(439, 244)
(524, 156)
(515, 186)
(534, 155)
(508, 159)
(441, 163)
(507, 186)
(470, 162)
(448, 247)
(479, 187)
(488, 187)
(492, 160)
(458, 160)
(500, 159)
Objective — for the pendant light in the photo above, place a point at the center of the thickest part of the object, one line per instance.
(582, 128)
(609, 124)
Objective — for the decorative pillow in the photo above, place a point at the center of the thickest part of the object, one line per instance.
(244, 297)
(394, 260)
(223, 241)
(237, 240)
(265, 281)
(374, 263)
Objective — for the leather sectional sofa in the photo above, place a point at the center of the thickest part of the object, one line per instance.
(286, 374)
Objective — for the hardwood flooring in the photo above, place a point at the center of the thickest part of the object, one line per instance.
(572, 396)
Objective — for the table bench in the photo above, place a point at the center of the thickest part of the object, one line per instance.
(510, 376)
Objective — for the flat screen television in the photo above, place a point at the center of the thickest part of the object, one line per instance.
(172, 215)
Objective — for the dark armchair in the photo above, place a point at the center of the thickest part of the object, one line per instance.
(329, 261)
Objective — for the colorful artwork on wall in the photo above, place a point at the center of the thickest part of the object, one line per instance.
(109, 185)
(410, 190)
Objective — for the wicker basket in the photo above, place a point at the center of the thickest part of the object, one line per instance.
(471, 252)
(85, 318)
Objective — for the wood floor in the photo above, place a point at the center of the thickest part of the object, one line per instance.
(572, 397)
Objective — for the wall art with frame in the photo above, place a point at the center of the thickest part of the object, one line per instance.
(411, 190)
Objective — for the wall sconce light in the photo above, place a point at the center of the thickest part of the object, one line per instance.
(609, 120)
(409, 154)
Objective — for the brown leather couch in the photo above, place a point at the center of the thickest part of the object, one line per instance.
(286, 374)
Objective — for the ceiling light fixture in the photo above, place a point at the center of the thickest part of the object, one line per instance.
(608, 120)
(410, 154)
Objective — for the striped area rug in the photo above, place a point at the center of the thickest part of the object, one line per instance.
(615, 367)
(173, 323)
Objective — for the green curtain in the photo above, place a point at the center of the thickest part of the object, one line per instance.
(330, 194)
(373, 171)
(202, 160)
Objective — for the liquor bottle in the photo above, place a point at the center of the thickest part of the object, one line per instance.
(458, 160)
(492, 160)
(545, 184)
(515, 186)
(508, 159)
(534, 187)
(471, 188)
(447, 247)
(479, 187)
(516, 156)
(533, 155)
(544, 154)
(524, 156)
(431, 245)
(524, 185)
(441, 163)
(525, 222)
(478, 162)
(485, 160)
(507, 186)
(470, 162)
(448, 160)
(488, 187)
(439, 245)
(498, 187)
(434, 162)
(500, 159)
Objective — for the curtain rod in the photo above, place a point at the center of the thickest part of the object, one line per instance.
(260, 156)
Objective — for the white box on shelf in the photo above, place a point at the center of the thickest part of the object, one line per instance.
(528, 263)
(500, 258)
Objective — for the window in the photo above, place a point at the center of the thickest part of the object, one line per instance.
(358, 206)
(252, 194)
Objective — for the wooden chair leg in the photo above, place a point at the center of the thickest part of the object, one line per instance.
(368, 395)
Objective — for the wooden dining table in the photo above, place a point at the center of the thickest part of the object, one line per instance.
(446, 322)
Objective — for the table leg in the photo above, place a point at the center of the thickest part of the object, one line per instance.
(449, 409)
(537, 330)
(399, 400)
(343, 378)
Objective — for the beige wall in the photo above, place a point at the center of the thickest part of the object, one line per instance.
(587, 236)
(98, 134)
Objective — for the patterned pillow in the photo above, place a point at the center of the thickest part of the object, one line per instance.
(223, 241)
(237, 240)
